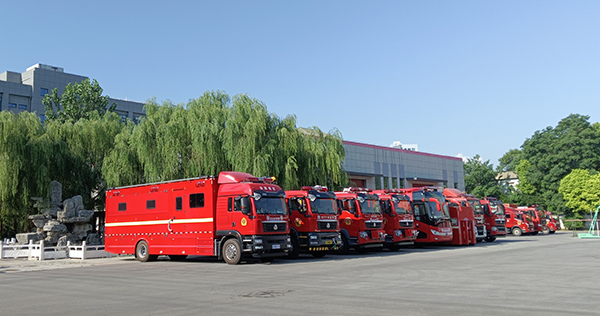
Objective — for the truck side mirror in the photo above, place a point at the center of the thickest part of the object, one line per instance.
(244, 205)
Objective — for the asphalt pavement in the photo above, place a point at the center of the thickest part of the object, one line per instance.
(528, 275)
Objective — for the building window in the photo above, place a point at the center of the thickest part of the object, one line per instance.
(43, 91)
(12, 105)
(42, 118)
(123, 117)
(197, 200)
(456, 185)
(22, 106)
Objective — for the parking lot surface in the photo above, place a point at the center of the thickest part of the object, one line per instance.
(528, 275)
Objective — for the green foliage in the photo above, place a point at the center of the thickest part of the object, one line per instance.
(78, 152)
(581, 191)
(215, 133)
(551, 155)
(509, 161)
(87, 148)
(24, 171)
(78, 101)
(480, 179)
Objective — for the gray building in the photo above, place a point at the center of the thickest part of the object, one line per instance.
(379, 167)
(24, 91)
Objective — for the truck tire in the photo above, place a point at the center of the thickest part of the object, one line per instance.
(534, 233)
(490, 239)
(516, 231)
(552, 231)
(295, 246)
(545, 230)
(232, 251)
(142, 252)
(177, 257)
(345, 247)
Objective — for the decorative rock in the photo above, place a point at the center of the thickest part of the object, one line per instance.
(52, 237)
(38, 220)
(24, 238)
(78, 202)
(68, 211)
(55, 193)
(54, 226)
(93, 239)
(52, 212)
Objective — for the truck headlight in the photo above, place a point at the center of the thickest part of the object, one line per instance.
(364, 235)
(258, 241)
(313, 237)
(398, 233)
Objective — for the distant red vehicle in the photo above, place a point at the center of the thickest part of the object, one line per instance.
(398, 218)
(516, 221)
(534, 214)
(360, 219)
(432, 216)
(553, 226)
(462, 216)
(314, 226)
(234, 216)
(495, 218)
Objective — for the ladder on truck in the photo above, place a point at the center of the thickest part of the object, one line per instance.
(593, 230)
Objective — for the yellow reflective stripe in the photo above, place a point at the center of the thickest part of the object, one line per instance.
(161, 222)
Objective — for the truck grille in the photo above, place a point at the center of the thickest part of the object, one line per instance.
(373, 224)
(274, 226)
(323, 225)
(406, 224)
(501, 229)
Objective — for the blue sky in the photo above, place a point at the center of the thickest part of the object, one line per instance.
(454, 77)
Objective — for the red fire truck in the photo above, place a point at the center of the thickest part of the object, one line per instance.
(233, 217)
(553, 226)
(495, 219)
(398, 218)
(462, 217)
(313, 221)
(432, 217)
(361, 220)
(516, 222)
(532, 213)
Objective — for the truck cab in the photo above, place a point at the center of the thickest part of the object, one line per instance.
(360, 219)
(495, 218)
(516, 221)
(462, 216)
(398, 218)
(314, 226)
(432, 217)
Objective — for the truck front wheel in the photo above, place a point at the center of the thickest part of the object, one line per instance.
(142, 252)
(232, 251)
(344, 247)
(516, 231)
(490, 239)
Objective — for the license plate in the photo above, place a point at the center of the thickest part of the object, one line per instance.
(329, 242)
(276, 246)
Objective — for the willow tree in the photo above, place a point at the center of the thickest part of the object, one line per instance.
(162, 142)
(322, 157)
(24, 172)
(78, 152)
(122, 165)
(207, 118)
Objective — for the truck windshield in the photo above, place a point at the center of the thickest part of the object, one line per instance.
(439, 207)
(497, 208)
(270, 205)
(402, 207)
(369, 206)
(476, 205)
(323, 206)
